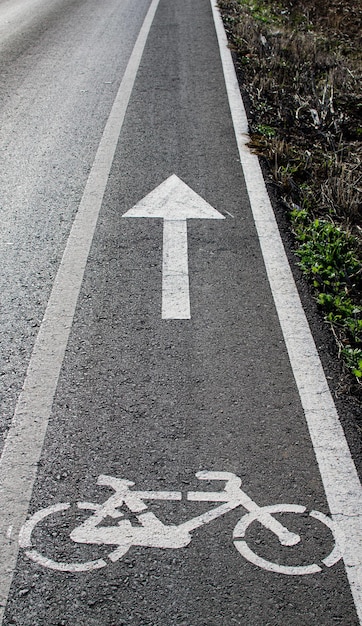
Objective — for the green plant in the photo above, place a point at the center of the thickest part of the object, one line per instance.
(353, 358)
(265, 130)
(301, 64)
(262, 12)
(328, 256)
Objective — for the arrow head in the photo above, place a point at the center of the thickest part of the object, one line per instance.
(174, 200)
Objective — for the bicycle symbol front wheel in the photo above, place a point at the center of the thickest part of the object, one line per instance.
(291, 570)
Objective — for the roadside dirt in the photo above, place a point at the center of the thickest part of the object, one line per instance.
(300, 65)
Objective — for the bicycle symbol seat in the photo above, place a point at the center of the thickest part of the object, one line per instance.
(151, 532)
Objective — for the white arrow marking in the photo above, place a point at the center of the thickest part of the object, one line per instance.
(174, 202)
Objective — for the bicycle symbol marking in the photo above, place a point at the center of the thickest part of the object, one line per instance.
(151, 532)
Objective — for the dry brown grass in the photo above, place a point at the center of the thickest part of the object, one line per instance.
(303, 75)
(300, 62)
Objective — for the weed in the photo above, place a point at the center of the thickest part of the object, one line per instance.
(266, 131)
(301, 63)
(328, 256)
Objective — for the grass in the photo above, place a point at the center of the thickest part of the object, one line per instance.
(300, 62)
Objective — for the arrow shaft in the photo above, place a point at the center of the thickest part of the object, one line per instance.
(175, 271)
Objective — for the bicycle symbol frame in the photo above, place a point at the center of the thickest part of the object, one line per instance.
(153, 533)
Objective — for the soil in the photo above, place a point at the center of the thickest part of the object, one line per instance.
(300, 69)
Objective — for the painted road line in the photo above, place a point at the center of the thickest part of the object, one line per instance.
(23, 446)
(340, 479)
(174, 202)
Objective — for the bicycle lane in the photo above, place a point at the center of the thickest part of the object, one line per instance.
(156, 400)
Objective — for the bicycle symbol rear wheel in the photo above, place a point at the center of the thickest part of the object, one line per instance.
(26, 542)
(291, 570)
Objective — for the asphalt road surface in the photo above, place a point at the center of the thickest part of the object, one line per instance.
(174, 447)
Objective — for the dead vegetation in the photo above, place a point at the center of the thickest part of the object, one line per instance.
(300, 62)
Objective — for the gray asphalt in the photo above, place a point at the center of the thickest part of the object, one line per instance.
(61, 63)
(150, 400)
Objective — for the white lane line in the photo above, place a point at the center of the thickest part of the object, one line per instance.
(21, 453)
(174, 202)
(340, 479)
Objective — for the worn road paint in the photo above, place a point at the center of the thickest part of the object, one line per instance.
(23, 446)
(174, 202)
(339, 476)
(153, 533)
